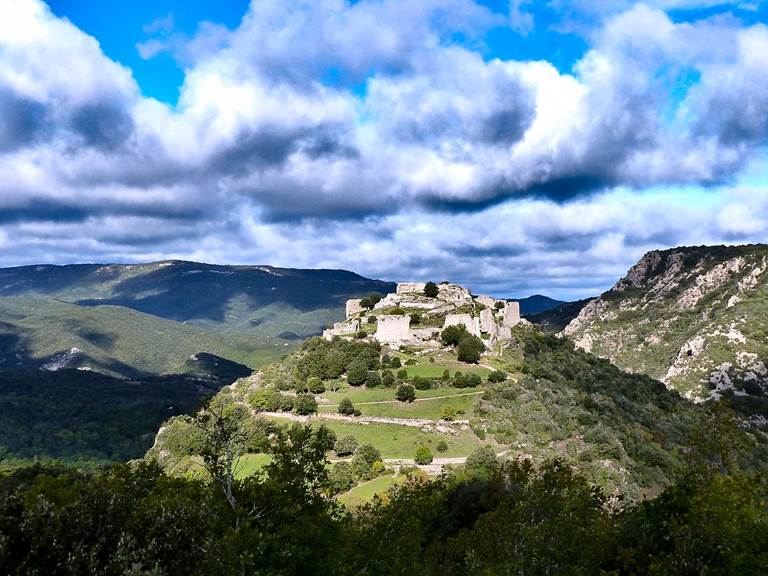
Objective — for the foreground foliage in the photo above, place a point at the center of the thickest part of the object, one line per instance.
(489, 517)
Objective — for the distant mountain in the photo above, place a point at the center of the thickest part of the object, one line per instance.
(556, 319)
(693, 317)
(143, 319)
(537, 303)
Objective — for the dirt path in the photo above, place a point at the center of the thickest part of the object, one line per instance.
(432, 425)
(416, 400)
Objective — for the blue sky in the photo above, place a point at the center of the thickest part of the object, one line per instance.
(516, 146)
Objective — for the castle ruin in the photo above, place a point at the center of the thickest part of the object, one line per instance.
(483, 316)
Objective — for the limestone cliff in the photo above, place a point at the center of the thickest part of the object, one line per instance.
(692, 317)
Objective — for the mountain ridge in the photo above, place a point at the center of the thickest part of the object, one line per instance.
(691, 317)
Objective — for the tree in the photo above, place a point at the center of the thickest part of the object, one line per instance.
(395, 362)
(345, 446)
(341, 477)
(357, 372)
(373, 379)
(469, 349)
(387, 378)
(405, 393)
(370, 301)
(371, 319)
(362, 463)
(499, 305)
(265, 400)
(402, 373)
(223, 444)
(423, 455)
(346, 407)
(482, 463)
(315, 385)
(415, 319)
(305, 404)
(452, 335)
(431, 290)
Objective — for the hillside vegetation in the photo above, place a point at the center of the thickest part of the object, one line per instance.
(539, 398)
(148, 319)
(694, 318)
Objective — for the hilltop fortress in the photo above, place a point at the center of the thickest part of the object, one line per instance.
(409, 317)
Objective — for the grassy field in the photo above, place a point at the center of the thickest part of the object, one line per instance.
(431, 409)
(395, 441)
(363, 394)
(366, 491)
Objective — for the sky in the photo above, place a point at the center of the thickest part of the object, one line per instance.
(516, 147)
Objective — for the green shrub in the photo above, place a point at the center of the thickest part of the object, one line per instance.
(286, 403)
(415, 319)
(410, 362)
(370, 301)
(388, 379)
(305, 404)
(345, 446)
(395, 362)
(361, 335)
(470, 349)
(373, 379)
(265, 400)
(448, 413)
(431, 290)
(452, 335)
(357, 372)
(397, 311)
(402, 374)
(421, 383)
(423, 455)
(497, 376)
(363, 461)
(341, 477)
(442, 446)
(371, 319)
(315, 385)
(346, 407)
(405, 393)
(482, 463)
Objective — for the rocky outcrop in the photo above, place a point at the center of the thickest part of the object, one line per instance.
(688, 316)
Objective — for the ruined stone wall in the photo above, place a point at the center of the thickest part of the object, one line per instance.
(488, 322)
(393, 330)
(471, 324)
(456, 295)
(345, 328)
(354, 307)
(411, 287)
(487, 301)
(510, 314)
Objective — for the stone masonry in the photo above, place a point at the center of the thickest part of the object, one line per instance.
(471, 324)
(393, 330)
(354, 307)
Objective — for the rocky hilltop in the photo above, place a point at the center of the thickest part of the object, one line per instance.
(416, 313)
(692, 317)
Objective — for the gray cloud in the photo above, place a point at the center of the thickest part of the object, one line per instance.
(507, 175)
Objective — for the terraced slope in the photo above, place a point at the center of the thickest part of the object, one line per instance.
(694, 318)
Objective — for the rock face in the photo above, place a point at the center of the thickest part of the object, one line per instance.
(692, 317)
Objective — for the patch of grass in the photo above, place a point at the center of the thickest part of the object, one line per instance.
(365, 492)
(248, 464)
(395, 441)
